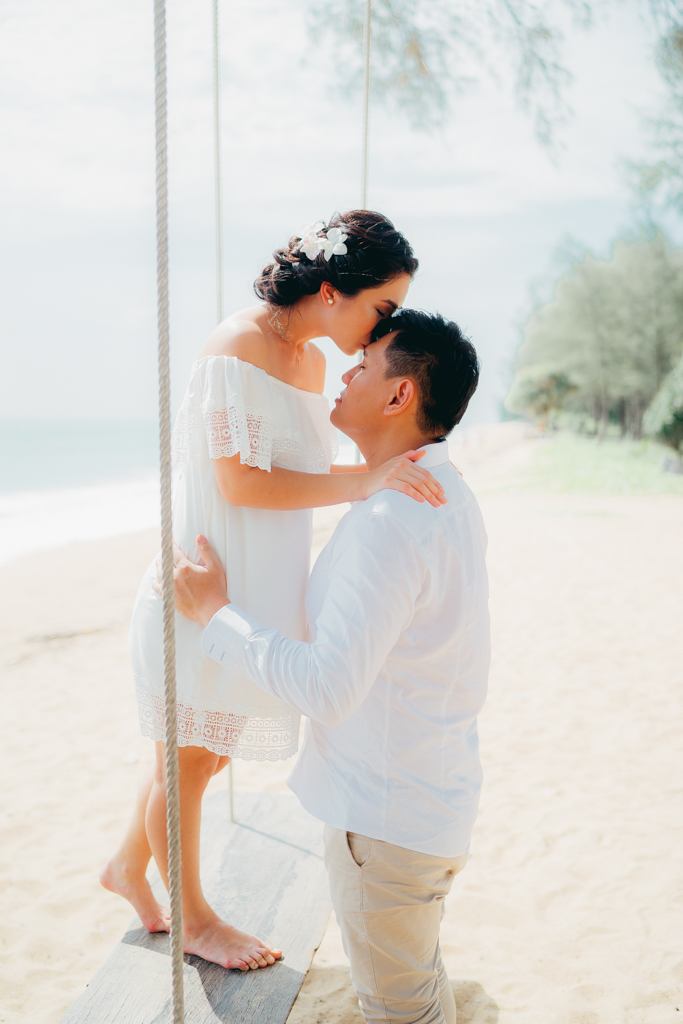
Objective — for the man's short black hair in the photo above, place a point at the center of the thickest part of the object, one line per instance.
(434, 353)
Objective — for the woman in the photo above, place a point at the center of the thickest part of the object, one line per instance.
(252, 453)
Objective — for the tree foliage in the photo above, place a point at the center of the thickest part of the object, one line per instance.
(662, 178)
(664, 418)
(425, 52)
(604, 345)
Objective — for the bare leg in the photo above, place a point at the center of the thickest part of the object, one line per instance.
(125, 873)
(206, 935)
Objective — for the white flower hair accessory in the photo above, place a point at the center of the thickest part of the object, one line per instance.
(310, 244)
(333, 245)
(313, 243)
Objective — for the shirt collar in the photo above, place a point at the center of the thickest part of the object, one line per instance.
(435, 454)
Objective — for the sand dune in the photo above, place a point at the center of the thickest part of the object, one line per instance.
(571, 908)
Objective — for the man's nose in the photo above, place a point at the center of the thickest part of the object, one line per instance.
(350, 374)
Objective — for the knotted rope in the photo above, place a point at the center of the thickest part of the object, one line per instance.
(172, 789)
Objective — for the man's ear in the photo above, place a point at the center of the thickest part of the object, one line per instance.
(401, 398)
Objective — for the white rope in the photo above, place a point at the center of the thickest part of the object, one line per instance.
(172, 789)
(366, 105)
(217, 160)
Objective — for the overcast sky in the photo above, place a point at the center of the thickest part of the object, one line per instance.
(483, 204)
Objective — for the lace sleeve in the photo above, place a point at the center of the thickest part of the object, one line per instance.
(233, 408)
(235, 430)
(236, 412)
(224, 413)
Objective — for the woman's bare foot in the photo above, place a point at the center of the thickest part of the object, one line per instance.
(220, 943)
(118, 877)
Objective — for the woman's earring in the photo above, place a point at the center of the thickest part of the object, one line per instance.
(329, 302)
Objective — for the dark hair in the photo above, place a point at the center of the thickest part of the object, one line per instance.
(443, 363)
(376, 253)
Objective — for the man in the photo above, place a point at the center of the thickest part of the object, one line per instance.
(393, 677)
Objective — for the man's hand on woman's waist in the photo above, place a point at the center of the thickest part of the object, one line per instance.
(200, 590)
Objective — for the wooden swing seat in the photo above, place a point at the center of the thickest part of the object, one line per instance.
(265, 874)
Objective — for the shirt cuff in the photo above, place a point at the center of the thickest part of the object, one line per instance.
(227, 634)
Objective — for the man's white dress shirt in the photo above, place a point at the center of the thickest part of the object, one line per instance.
(395, 672)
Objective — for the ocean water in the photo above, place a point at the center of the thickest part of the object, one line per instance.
(70, 480)
(79, 480)
(44, 455)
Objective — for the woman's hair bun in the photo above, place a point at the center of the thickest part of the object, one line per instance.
(375, 253)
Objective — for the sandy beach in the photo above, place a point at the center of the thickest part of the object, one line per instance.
(571, 908)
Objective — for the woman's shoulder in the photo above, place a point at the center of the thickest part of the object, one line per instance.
(241, 338)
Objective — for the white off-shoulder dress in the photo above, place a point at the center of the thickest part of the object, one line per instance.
(232, 407)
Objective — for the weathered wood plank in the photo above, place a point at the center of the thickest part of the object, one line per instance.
(265, 874)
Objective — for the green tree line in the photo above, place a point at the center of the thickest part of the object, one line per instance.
(608, 347)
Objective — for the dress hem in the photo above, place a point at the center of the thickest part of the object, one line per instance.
(227, 733)
(233, 752)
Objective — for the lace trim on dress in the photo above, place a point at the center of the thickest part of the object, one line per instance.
(227, 430)
(231, 734)
(222, 433)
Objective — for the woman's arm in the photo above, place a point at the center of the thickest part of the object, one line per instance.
(288, 489)
(358, 468)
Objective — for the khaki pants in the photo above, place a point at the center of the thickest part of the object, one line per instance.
(388, 903)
